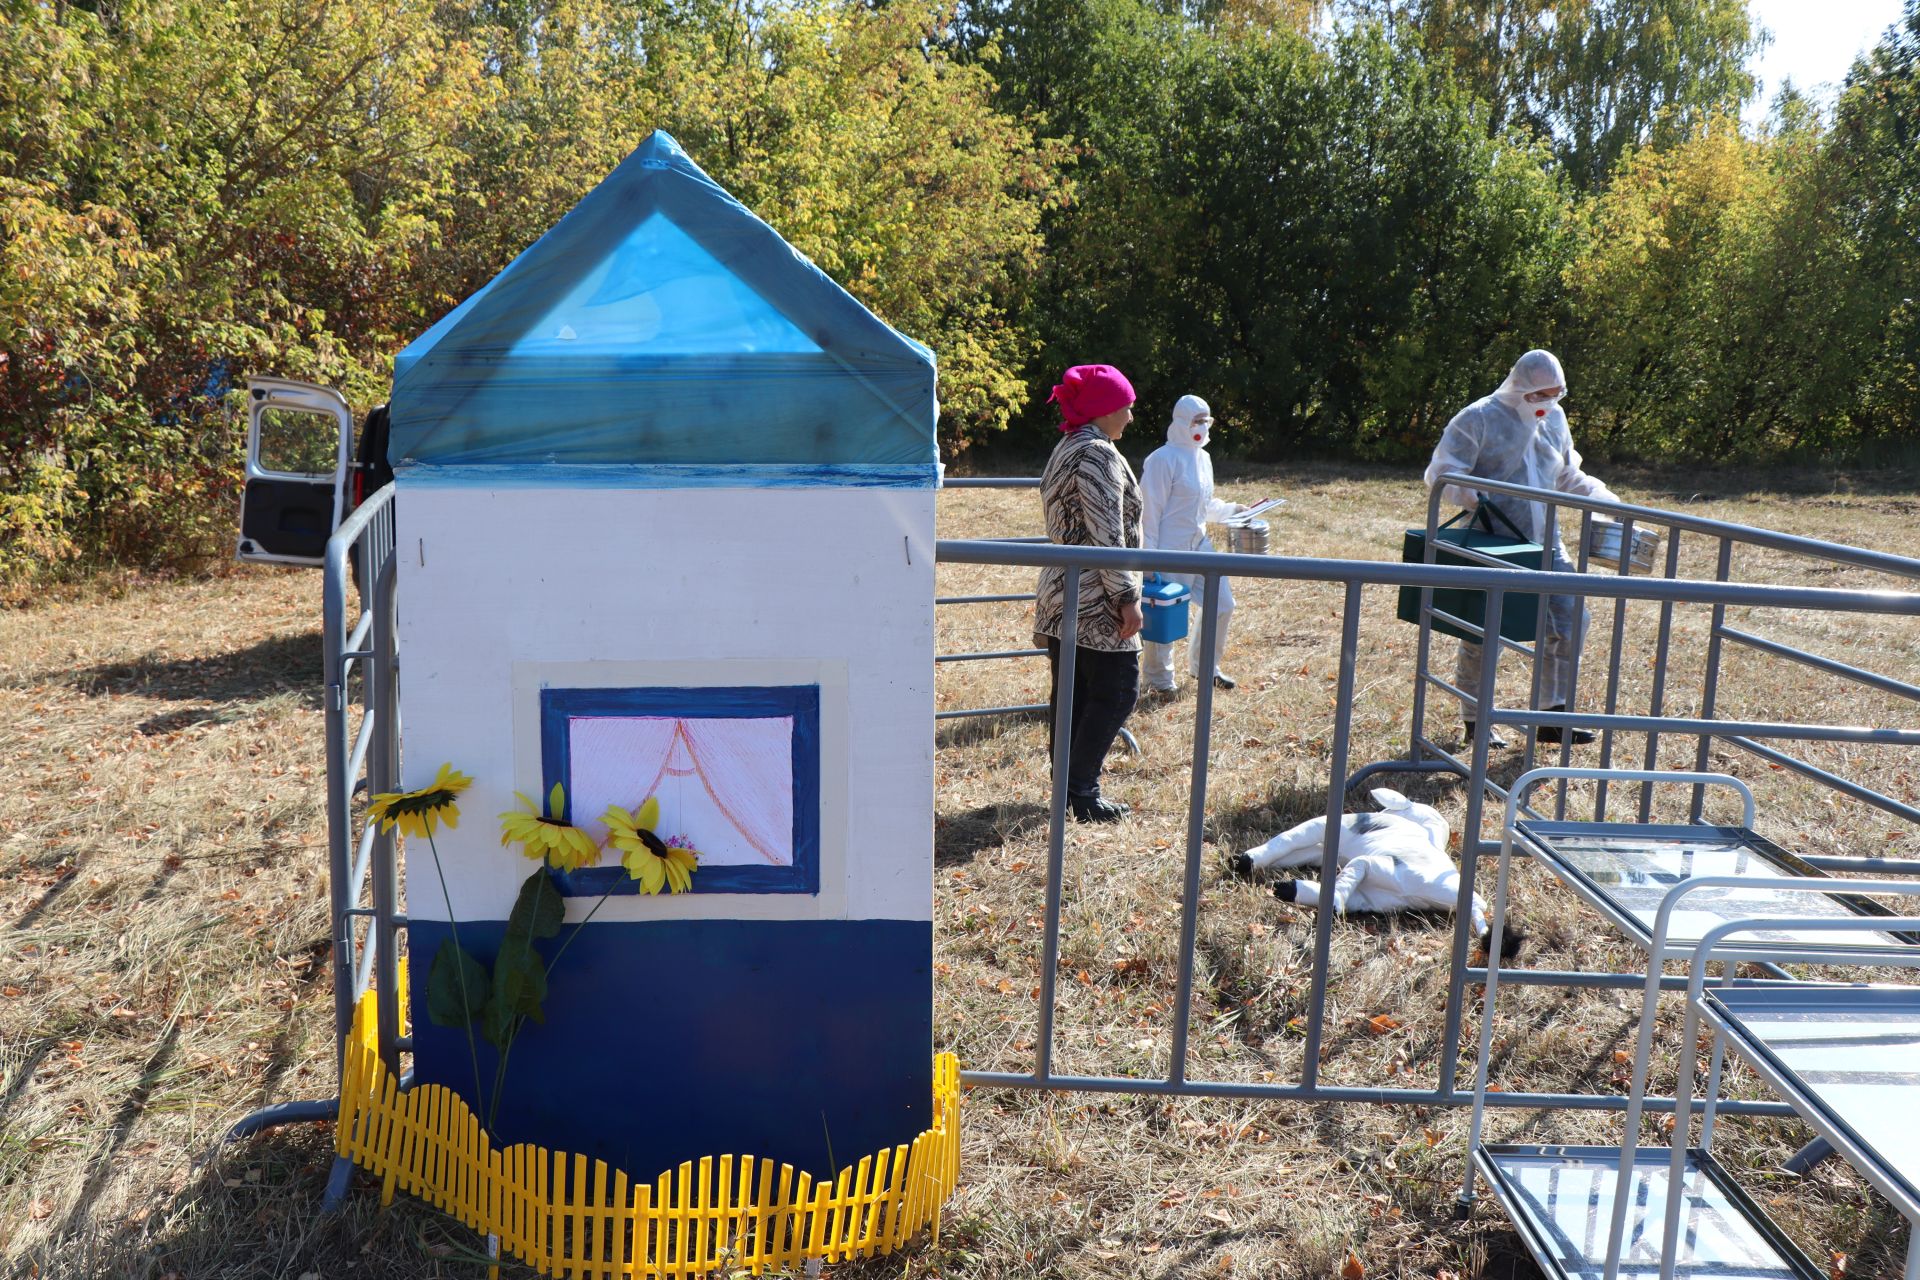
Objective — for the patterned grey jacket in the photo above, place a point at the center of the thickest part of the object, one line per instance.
(1091, 499)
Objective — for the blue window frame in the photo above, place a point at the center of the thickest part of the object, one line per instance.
(560, 707)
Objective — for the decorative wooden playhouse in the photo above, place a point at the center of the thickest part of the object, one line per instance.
(665, 508)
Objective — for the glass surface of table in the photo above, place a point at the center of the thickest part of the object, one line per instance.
(1852, 1052)
(1561, 1199)
(1633, 867)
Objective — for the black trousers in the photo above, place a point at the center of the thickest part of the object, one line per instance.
(1105, 685)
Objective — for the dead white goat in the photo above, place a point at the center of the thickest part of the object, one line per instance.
(1393, 860)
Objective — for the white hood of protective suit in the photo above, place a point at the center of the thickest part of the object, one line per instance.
(1535, 371)
(1191, 424)
(1502, 437)
(1176, 483)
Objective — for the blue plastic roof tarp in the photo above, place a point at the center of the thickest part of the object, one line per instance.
(661, 322)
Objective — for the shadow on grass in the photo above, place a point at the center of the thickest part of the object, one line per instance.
(959, 838)
(275, 666)
(253, 1209)
(131, 1108)
(63, 880)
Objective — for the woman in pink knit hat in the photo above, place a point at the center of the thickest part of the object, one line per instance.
(1091, 499)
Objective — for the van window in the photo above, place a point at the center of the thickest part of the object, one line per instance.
(296, 442)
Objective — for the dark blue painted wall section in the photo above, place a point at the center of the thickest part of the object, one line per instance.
(671, 1040)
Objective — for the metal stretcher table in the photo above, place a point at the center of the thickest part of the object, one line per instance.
(1847, 1059)
(1596, 1212)
(1561, 1202)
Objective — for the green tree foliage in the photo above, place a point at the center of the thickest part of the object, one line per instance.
(1875, 147)
(1715, 313)
(190, 188)
(199, 189)
(1325, 242)
(1339, 221)
(1595, 76)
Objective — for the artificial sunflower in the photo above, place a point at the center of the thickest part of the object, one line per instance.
(547, 836)
(654, 862)
(416, 812)
(682, 859)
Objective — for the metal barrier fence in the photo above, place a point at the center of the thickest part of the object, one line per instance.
(362, 875)
(991, 482)
(366, 915)
(1355, 577)
(1426, 755)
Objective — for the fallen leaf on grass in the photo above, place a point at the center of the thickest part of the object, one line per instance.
(1380, 1024)
(1352, 1269)
(40, 1209)
(12, 993)
(1837, 1269)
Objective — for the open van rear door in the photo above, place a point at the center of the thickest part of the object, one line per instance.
(299, 453)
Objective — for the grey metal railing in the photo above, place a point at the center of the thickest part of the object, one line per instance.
(993, 482)
(1355, 577)
(1029, 708)
(362, 876)
(1426, 755)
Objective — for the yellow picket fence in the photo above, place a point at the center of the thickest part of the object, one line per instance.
(567, 1216)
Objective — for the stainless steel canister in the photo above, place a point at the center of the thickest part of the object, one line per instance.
(1249, 539)
(1604, 538)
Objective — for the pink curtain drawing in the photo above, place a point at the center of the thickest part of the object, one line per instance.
(725, 784)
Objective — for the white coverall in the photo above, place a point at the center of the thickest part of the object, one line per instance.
(1395, 860)
(1177, 502)
(1504, 437)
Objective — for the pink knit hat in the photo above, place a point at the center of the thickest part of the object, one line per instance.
(1089, 391)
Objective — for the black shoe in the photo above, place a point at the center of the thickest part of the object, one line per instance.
(1494, 741)
(1221, 680)
(1551, 733)
(1285, 890)
(1241, 866)
(1096, 809)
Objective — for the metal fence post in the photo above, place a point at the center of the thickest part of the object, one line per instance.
(383, 772)
(1330, 848)
(1196, 827)
(1057, 828)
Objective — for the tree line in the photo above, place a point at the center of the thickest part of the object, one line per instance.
(1338, 221)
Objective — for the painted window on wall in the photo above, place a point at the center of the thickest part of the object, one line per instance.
(736, 770)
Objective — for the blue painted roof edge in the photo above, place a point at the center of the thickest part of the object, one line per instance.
(617, 475)
(625, 191)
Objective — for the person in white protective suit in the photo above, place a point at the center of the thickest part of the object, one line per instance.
(1394, 860)
(1519, 434)
(1177, 502)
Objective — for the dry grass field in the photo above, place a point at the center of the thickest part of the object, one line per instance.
(163, 931)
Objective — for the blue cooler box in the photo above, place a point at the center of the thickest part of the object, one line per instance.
(1163, 606)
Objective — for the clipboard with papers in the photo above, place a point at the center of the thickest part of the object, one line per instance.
(1254, 512)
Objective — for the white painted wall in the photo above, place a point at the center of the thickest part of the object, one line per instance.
(502, 590)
